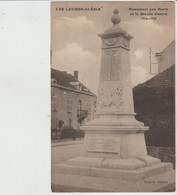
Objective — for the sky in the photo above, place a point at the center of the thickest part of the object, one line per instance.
(76, 46)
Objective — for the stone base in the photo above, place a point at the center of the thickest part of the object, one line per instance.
(114, 160)
(86, 178)
(113, 163)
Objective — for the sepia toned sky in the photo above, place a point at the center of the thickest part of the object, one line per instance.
(75, 43)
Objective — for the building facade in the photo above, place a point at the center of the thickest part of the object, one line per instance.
(71, 102)
(166, 58)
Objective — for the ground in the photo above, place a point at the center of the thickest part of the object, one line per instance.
(63, 151)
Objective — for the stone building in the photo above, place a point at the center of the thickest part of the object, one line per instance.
(166, 58)
(71, 102)
(154, 101)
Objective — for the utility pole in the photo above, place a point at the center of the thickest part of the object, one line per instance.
(150, 58)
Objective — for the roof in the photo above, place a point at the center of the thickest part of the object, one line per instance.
(64, 79)
(171, 44)
(163, 79)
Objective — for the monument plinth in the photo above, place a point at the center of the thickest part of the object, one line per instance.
(115, 157)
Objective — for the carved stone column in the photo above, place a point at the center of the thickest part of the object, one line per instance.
(114, 130)
(115, 157)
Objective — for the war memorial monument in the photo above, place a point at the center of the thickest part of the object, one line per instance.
(115, 157)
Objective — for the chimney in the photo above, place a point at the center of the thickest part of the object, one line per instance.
(76, 74)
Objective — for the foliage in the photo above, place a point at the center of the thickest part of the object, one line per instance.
(155, 106)
(70, 132)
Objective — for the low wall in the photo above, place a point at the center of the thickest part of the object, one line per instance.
(165, 154)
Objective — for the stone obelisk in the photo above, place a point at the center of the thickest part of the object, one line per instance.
(115, 157)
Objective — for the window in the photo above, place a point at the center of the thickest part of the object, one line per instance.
(69, 105)
(54, 102)
(79, 108)
(89, 108)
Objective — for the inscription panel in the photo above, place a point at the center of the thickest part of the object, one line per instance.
(107, 145)
(105, 66)
(110, 65)
(115, 65)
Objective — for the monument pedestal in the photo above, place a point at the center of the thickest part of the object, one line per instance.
(115, 160)
(115, 157)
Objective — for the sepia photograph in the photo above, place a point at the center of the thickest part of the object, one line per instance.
(112, 88)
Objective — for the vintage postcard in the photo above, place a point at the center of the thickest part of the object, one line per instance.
(113, 96)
